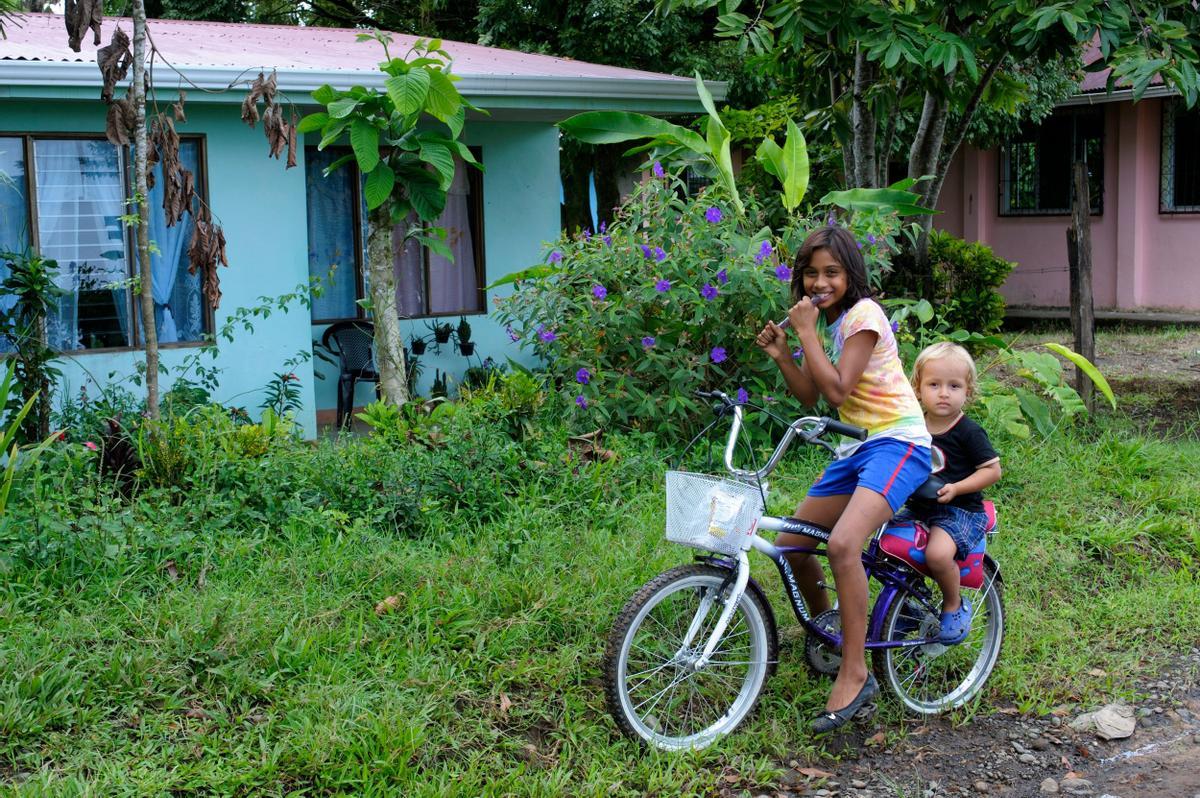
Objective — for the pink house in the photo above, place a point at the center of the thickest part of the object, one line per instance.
(1144, 166)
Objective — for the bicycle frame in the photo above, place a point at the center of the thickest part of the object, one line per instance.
(892, 577)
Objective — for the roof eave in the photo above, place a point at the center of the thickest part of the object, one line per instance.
(1117, 95)
(475, 87)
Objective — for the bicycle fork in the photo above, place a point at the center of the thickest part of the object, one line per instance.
(731, 602)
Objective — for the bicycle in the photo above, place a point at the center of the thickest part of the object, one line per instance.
(689, 654)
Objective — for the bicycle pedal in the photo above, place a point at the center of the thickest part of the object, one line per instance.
(866, 711)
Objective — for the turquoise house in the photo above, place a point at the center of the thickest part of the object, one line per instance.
(63, 190)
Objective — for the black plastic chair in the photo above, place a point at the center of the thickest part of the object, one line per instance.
(352, 342)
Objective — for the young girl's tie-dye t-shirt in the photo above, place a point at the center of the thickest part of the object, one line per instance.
(883, 402)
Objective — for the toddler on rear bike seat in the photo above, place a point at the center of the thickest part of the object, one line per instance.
(944, 378)
(870, 481)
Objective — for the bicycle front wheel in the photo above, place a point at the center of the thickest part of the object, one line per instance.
(933, 678)
(653, 690)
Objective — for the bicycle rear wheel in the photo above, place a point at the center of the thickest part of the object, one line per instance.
(934, 677)
(652, 689)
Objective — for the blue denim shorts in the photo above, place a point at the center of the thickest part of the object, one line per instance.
(964, 527)
(891, 467)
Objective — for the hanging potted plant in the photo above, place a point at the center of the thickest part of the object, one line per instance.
(417, 345)
(463, 331)
(441, 331)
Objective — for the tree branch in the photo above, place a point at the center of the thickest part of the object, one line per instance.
(960, 131)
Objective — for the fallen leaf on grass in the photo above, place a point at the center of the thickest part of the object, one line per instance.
(388, 604)
(1009, 711)
(172, 571)
(1097, 672)
(816, 773)
(195, 713)
(877, 738)
(731, 778)
(505, 704)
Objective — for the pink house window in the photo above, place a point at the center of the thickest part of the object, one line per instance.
(1035, 165)
(1180, 176)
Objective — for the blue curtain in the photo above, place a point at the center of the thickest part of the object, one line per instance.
(331, 256)
(178, 301)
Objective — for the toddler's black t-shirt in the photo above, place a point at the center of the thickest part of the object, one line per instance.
(964, 447)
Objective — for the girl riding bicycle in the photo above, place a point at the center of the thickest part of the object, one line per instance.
(869, 482)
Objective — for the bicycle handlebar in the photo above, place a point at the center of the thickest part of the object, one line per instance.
(810, 428)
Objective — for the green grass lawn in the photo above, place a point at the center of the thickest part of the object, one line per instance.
(180, 652)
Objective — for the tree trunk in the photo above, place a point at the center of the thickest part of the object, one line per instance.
(923, 159)
(389, 344)
(862, 123)
(141, 195)
(1079, 257)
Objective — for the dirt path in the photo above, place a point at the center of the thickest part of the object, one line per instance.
(1006, 754)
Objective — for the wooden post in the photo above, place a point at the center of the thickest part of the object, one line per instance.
(1079, 256)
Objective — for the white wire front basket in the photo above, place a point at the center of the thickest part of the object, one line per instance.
(711, 513)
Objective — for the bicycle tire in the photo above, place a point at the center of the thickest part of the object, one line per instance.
(935, 678)
(686, 719)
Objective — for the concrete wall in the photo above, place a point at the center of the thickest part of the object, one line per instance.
(262, 208)
(1140, 258)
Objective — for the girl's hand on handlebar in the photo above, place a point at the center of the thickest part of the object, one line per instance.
(804, 314)
(773, 341)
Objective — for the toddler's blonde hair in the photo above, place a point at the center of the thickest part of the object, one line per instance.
(945, 350)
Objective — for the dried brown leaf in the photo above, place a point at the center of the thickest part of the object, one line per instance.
(387, 605)
(79, 15)
(195, 713)
(291, 143)
(816, 773)
(114, 61)
(119, 125)
(878, 738)
(177, 107)
(171, 569)
(505, 704)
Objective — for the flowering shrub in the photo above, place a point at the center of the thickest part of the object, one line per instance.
(634, 319)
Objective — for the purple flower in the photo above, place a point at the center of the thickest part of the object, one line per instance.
(713, 215)
(764, 252)
(555, 256)
(603, 227)
(783, 272)
(581, 400)
(660, 254)
(831, 221)
(860, 245)
(648, 342)
(587, 234)
(546, 335)
(646, 253)
(895, 327)
(512, 336)
(718, 354)
(798, 353)
(608, 241)
(872, 240)
(709, 291)
(662, 286)
(599, 291)
(658, 170)
(722, 277)
(583, 376)
(743, 396)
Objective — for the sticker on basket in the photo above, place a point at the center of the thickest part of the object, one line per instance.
(723, 510)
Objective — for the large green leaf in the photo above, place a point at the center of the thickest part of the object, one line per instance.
(408, 91)
(1087, 368)
(877, 199)
(340, 109)
(443, 100)
(1004, 412)
(541, 271)
(1036, 410)
(379, 185)
(364, 138)
(440, 157)
(324, 94)
(611, 127)
(457, 120)
(313, 122)
(719, 152)
(794, 163)
(424, 191)
(770, 155)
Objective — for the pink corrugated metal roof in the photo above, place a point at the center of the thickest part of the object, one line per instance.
(1098, 81)
(43, 37)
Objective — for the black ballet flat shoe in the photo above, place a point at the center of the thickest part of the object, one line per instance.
(862, 706)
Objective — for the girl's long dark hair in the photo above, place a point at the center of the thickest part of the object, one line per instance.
(844, 249)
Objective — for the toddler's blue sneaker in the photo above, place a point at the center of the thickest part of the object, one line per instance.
(955, 625)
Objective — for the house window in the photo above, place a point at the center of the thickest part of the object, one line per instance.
(1180, 179)
(1035, 165)
(65, 198)
(426, 284)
